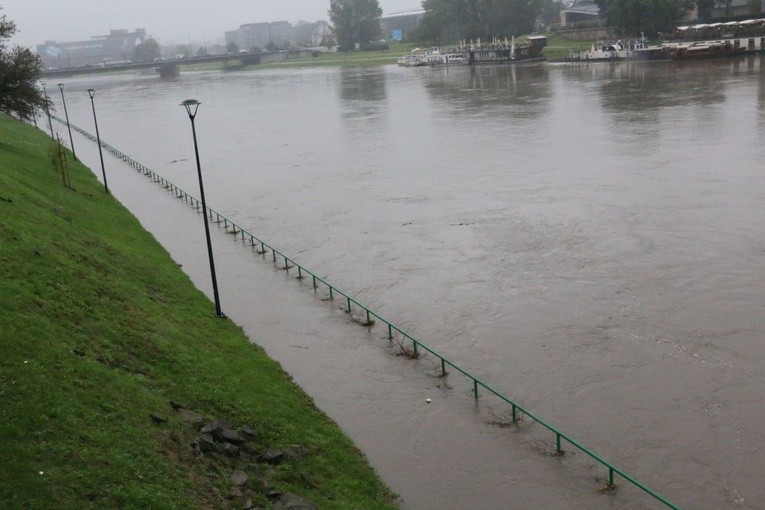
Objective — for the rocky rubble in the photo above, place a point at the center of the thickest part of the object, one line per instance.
(250, 465)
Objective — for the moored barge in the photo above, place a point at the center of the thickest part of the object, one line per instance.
(706, 49)
(508, 52)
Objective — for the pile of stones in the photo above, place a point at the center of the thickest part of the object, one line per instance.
(248, 463)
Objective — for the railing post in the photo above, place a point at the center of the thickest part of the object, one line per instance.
(349, 305)
(610, 477)
(475, 388)
(514, 418)
(331, 292)
(390, 332)
(557, 443)
(443, 368)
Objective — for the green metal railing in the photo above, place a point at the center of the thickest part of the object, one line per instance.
(264, 248)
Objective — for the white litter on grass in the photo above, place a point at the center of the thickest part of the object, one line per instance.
(42, 473)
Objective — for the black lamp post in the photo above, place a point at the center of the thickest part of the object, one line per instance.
(192, 105)
(47, 111)
(66, 114)
(92, 94)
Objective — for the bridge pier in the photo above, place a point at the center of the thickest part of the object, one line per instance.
(169, 71)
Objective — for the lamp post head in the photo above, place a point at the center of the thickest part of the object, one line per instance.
(61, 86)
(91, 93)
(191, 105)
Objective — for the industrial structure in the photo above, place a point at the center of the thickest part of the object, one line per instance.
(261, 35)
(397, 26)
(117, 47)
(579, 12)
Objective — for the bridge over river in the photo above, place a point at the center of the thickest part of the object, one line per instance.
(170, 68)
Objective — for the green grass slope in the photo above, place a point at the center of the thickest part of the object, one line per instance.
(99, 328)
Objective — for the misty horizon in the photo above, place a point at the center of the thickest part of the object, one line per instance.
(168, 21)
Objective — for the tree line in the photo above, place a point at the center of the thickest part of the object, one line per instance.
(649, 17)
(452, 20)
(357, 22)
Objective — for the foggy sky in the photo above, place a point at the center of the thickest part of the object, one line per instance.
(167, 20)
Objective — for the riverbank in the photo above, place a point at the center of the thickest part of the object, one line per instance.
(349, 59)
(101, 331)
(558, 49)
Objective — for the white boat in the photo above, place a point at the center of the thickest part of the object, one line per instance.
(410, 61)
(452, 59)
(431, 57)
(613, 51)
(420, 57)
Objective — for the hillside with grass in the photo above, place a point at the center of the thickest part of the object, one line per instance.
(119, 386)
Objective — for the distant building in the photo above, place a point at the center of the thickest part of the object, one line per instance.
(118, 46)
(397, 26)
(260, 35)
(738, 8)
(579, 12)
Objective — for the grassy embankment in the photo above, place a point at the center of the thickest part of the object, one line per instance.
(99, 328)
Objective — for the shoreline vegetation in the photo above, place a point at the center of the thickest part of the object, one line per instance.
(558, 48)
(120, 388)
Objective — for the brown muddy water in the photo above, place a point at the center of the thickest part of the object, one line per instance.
(588, 239)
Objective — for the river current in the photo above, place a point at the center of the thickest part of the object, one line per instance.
(588, 239)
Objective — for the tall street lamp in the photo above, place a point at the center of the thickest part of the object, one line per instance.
(92, 94)
(47, 110)
(192, 105)
(66, 114)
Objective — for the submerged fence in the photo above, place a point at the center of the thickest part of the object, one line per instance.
(350, 303)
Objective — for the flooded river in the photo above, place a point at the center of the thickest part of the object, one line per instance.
(587, 239)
